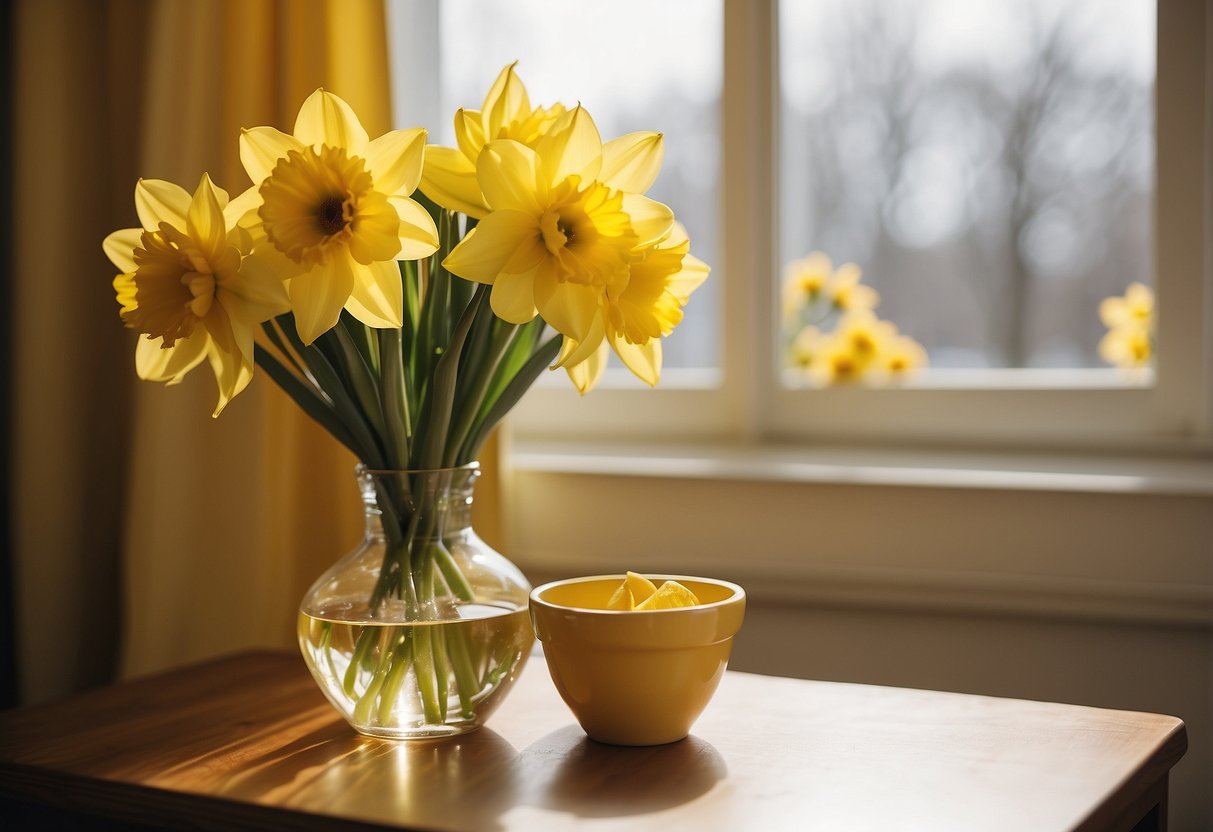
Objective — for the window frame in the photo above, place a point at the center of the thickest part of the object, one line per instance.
(745, 400)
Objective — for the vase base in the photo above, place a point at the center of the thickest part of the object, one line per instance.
(420, 732)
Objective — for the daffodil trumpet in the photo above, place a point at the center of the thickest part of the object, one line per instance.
(406, 296)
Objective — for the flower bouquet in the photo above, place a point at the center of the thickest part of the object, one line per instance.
(405, 297)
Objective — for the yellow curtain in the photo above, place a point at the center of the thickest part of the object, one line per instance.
(231, 519)
(221, 524)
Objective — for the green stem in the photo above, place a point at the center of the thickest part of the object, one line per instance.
(360, 377)
(362, 708)
(395, 397)
(362, 647)
(401, 654)
(465, 673)
(445, 378)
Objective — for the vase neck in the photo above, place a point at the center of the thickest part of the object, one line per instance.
(433, 503)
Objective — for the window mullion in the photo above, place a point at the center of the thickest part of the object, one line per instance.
(747, 211)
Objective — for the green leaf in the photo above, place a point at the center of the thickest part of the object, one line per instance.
(309, 400)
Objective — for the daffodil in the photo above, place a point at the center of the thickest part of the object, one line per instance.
(639, 313)
(847, 293)
(336, 212)
(838, 363)
(188, 287)
(902, 356)
(449, 175)
(865, 335)
(1128, 347)
(567, 220)
(804, 281)
(1129, 342)
(855, 350)
(1135, 309)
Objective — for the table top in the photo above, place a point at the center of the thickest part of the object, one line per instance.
(248, 741)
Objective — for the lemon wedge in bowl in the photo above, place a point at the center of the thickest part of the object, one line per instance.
(639, 593)
(669, 595)
(634, 589)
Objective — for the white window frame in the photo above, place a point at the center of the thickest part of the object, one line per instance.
(745, 400)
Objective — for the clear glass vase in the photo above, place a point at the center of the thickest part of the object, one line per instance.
(421, 630)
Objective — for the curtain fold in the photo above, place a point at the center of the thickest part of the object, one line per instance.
(138, 520)
(239, 514)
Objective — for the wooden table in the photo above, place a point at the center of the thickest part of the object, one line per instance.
(248, 742)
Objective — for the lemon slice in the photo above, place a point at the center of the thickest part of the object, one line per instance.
(634, 589)
(671, 594)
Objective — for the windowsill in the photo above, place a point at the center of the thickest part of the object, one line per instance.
(841, 465)
(1114, 538)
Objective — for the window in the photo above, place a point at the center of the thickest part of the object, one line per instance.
(989, 166)
(1033, 175)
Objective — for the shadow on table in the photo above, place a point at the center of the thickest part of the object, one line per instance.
(470, 782)
(567, 772)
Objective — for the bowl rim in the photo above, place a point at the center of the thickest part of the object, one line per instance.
(739, 594)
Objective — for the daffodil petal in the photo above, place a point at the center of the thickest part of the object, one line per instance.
(318, 295)
(513, 298)
(483, 254)
(378, 296)
(449, 179)
(469, 133)
(574, 352)
(506, 100)
(586, 374)
(157, 201)
(395, 160)
(156, 363)
(694, 272)
(631, 163)
(237, 211)
(325, 118)
(572, 147)
(651, 220)
(568, 307)
(258, 293)
(204, 221)
(508, 174)
(261, 148)
(644, 360)
(232, 374)
(418, 235)
(120, 247)
(376, 230)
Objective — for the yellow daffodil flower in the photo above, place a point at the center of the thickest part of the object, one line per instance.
(855, 350)
(1136, 308)
(335, 209)
(639, 312)
(449, 175)
(1128, 347)
(804, 281)
(566, 220)
(847, 293)
(838, 363)
(1129, 342)
(902, 356)
(865, 335)
(187, 286)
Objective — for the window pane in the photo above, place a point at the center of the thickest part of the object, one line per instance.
(989, 166)
(635, 65)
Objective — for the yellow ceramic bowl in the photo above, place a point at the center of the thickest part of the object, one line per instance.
(636, 677)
